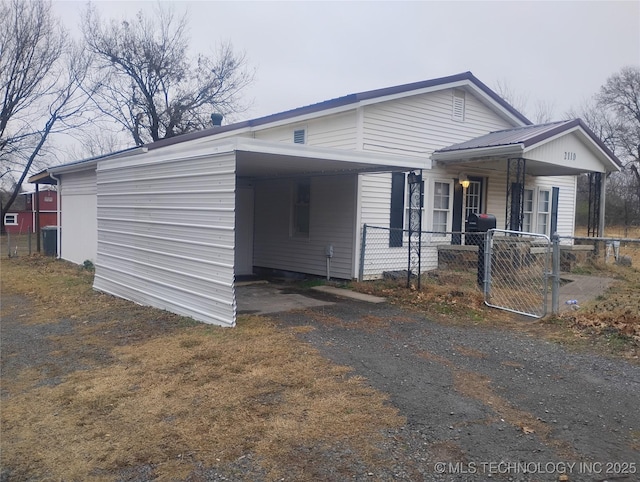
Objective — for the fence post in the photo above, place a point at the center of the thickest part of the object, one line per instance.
(555, 273)
(363, 246)
(486, 254)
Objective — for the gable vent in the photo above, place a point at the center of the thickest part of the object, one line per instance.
(458, 106)
(299, 136)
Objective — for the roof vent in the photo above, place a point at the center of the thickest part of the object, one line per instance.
(216, 119)
(299, 136)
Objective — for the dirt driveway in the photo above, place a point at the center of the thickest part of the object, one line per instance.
(483, 402)
(480, 403)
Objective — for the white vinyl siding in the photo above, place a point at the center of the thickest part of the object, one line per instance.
(336, 131)
(166, 232)
(331, 222)
(375, 194)
(496, 198)
(78, 201)
(420, 124)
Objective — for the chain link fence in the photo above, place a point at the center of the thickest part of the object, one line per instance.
(525, 273)
(517, 274)
(13, 245)
(385, 253)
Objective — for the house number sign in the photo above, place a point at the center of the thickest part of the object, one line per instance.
(569, 156)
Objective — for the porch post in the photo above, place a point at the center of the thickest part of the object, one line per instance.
(595, 219)
(415, 226)
(514, 209)
(603, 194)
(36, 204)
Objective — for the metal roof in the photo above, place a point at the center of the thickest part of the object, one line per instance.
(518, 135)
(527, 136)
(343, 101)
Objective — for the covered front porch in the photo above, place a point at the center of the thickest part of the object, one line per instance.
(535, 168)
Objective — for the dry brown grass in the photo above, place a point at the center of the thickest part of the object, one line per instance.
(187, 394)
(611, 322)
(450, 296)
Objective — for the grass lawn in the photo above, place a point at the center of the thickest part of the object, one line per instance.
(115, 385)
(127, 385)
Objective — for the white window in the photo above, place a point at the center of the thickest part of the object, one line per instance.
(301, 209)
(10, 219)
(300, 136)
(472, 198)
(458, 106)
(544, 210)
(527, 205)
(442, 200)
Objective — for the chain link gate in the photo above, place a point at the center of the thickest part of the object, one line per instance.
(517, 272)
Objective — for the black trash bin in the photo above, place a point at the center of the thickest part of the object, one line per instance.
(50, 240)
(480, 224)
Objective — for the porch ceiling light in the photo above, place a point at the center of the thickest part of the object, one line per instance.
(464, 180)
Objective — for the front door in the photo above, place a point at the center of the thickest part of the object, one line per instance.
(466, 201)
(244, 231)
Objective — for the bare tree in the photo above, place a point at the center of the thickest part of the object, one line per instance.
(40, 76)
(149, 84)
(516, 99)
(621, 95)
(542, 112)
(614, 116)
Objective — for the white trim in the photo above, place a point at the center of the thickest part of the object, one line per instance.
(451, 157)
(432, 208)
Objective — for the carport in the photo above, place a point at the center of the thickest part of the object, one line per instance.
(177, 222)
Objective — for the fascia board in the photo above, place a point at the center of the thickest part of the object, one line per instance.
(511, 150)
(409, 93)
(83, 166)
(89, 164)
(230, 146)
(301, 118)
(361, 157)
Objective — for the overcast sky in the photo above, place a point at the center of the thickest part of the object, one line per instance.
(307, 52)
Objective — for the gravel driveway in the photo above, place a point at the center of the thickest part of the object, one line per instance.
(486, 403)
(480, 403)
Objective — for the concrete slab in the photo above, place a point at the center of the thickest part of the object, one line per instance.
(332, 290)
(581, 288)
(263, 298)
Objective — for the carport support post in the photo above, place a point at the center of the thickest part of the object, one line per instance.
(555, 273)
(363, 246)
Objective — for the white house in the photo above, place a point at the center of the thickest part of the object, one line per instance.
(171, 224)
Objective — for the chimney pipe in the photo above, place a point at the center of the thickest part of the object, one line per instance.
(216, 119)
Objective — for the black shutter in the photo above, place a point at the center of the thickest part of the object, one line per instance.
(555, 193)
(396, 220)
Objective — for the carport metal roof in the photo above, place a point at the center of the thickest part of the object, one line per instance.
(259, 159)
